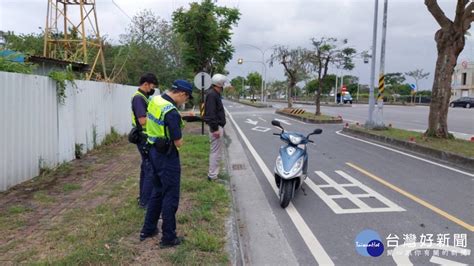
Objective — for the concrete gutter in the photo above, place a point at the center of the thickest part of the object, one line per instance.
(455, 159)
(259, 239)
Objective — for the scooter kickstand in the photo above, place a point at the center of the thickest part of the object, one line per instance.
(304, 192)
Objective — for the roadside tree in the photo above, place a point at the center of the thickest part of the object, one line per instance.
(254, 81)
(326, 52)
(206, 30)
(295, 63)
(450, 42)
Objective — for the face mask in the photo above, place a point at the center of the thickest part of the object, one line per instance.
(152, 91)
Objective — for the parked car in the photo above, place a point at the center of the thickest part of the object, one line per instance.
(346, 98)
(466, 102)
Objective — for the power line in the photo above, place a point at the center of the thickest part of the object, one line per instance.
(121, 10)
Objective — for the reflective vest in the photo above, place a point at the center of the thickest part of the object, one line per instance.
(157, 109)
(134, 119)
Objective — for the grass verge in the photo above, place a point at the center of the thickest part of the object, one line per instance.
(103, 224)
(316, 117)
(255, 103)
(456, 146)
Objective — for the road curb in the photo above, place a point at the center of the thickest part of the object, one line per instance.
(309, 120)
(261, 241)
(249, 104)
(458, 160)
(234, 243)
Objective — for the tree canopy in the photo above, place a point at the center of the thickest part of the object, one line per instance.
(206, 31)
(295, 63)
(326, 52)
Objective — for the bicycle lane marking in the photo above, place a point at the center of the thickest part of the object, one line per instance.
(313, 244)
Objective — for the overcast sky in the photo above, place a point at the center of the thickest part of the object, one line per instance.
(264, 23)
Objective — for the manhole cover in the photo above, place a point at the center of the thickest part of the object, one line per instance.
(238, 166)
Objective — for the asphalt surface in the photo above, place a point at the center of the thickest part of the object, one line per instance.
(460, 120)
(353, 186)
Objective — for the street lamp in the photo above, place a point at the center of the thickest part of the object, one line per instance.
(264, 67)
(241, 61)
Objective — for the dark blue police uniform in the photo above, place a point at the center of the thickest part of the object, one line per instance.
(139, 108)
(164, 198)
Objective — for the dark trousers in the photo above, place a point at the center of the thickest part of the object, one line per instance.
(146, 177)
(165, 195)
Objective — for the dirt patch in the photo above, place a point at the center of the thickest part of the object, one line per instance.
(73, 214)
(75, 185)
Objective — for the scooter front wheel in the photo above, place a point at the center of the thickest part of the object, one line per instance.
(286, 192)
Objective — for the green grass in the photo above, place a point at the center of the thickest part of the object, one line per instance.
(255, 104)
(17, 209)
(112, 137)
(203, 224)
(71, 187)
(316, 117)
(13, 218)
(456, 146)
(107, 234)
(93, 237)
(43, 197)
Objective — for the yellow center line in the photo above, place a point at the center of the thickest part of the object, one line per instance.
(415, 198)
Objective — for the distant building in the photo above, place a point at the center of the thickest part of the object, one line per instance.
(44, 65)
(463, 80)
(3, 41)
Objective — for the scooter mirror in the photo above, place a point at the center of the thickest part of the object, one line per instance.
(276, 123)
(318, 131)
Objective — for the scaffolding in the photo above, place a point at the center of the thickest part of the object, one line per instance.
(66, 38)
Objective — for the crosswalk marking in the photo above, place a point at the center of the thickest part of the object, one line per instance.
(355, 198)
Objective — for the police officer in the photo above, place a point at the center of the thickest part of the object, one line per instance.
(165, 138)
(140, 100)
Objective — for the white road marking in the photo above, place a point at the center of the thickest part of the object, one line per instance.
(309, 238)
(401, 254)
(441, 261)
(283, 121)
(262, 119)
(250, 121)
(304, 123)
(362, 207)
(261, 129)
(407, 154)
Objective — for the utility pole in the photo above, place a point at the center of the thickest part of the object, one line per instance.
(370, 122)
(379, 121)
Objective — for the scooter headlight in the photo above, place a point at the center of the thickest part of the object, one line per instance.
(297, 166)
(279, 164)
(295, 140)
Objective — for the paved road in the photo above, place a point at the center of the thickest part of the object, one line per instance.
(460, 120)
(353, 186)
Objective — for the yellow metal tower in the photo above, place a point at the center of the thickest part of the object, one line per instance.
(68, 23)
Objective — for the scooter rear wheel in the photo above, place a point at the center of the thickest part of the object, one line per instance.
(286, 192)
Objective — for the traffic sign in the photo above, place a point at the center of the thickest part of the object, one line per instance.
(202, 81)
(343, 88)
